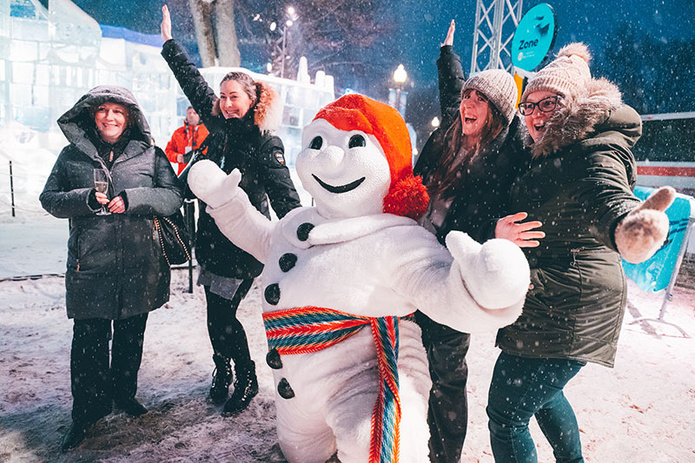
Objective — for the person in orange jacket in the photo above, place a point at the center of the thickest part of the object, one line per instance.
(185, 139)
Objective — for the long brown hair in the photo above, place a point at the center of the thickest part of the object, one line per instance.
(444, 179)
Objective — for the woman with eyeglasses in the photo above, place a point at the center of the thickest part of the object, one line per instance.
(467, 165)
(579, 185)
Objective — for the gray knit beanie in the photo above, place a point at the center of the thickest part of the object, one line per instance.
(499, 88)
(567, 75)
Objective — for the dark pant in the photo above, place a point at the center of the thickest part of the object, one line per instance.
(526, 387)
(94, 382)
(227, 334)
(447, 416)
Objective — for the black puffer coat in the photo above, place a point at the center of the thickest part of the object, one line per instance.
(481, 197)
(580, 186)
(115, 267)
(243, 145)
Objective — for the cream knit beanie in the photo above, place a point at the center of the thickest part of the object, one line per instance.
(568, 75)
(499, 88)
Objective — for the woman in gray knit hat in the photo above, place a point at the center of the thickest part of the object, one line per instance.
(579, 184)
(468, 165)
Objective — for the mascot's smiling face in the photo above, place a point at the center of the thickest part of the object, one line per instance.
(345, 171)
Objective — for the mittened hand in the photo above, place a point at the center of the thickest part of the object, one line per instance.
(642, 232)
(211, 185)
(495, 273)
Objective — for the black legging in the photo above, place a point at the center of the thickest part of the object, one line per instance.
(94, 382)
(227, 334)
(448, 405)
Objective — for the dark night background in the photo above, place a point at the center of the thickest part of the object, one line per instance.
(646, 47)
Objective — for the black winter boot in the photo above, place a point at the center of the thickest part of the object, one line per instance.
(74, 436)
(222, 378)
(245, 389)
(131, 406)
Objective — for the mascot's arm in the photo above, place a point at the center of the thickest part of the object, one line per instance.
(229, 205)
(482, 289)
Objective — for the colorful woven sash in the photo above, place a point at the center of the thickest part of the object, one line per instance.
(310, 329)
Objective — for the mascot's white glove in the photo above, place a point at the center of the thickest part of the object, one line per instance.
(496, 273)
(210, 184)
(642, 232)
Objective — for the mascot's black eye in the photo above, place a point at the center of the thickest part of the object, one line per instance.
(316, 143)
(357, 140)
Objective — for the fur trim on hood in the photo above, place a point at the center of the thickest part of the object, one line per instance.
(575, 119)
(267, 112)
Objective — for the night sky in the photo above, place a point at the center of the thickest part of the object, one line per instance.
(422, 24)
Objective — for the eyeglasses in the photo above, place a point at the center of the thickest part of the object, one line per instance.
(545, 105)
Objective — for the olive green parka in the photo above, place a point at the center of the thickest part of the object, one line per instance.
(579, 185)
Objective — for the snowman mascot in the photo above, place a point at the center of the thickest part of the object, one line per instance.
(343, 279)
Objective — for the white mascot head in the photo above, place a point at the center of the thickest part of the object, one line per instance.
(357, 161)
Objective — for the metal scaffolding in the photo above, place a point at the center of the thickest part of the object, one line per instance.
(495, 23)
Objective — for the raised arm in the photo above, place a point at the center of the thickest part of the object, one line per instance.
(451, 77)
(193, 84)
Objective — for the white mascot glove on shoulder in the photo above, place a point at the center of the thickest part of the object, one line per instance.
(642, 232)
(495, 273)
(210, 184)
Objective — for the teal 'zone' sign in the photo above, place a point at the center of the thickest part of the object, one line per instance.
(534, 37)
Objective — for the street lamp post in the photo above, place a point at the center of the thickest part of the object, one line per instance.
(292, 15)
(399, 96)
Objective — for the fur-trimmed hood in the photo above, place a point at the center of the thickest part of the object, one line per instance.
(267, 112)
(576, 119)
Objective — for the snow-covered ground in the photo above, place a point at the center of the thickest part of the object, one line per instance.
(640, 411)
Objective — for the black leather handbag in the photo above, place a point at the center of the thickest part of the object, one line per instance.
(173, 238)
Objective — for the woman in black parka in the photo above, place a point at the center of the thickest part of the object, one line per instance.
(116, 272)
(241, 123)
(468, 165)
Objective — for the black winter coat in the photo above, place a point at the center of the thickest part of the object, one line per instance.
(240, 144)
(482, 195)
(580, 188)
(115, 267)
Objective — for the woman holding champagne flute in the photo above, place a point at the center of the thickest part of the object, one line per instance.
(109, 182)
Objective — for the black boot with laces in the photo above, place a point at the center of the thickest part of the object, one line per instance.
(221, 380)
(245, 389)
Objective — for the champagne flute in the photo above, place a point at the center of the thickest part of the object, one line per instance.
(101, 185)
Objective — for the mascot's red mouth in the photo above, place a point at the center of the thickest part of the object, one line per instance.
(341, 188)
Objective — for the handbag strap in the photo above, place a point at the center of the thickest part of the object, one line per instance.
(160, 234)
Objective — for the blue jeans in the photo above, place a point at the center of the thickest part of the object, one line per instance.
(526, 387)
